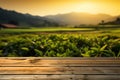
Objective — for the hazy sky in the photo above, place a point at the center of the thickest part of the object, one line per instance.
(48, 7)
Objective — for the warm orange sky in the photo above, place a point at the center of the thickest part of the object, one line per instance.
(48, 7)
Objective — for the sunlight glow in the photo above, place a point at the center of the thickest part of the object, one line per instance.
(53, 7)
(86, 7)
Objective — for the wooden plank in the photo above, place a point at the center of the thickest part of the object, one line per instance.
(59, 77)
(63, 58)
(55, 62)
(100, 77)
(60, 70)
(54, 68)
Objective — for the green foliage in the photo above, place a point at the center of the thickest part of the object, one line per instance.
(59, 45)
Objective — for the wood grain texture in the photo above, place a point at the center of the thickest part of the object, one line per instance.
(40, 68)
(59, 77)
(60, 70)
(38, 62)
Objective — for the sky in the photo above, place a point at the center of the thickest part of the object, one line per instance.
(52, 7)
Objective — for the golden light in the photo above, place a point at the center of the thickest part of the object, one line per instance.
(86, 7)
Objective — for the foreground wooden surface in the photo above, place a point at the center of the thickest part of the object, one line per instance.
(59, 68)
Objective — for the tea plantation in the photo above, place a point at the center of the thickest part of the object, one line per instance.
(59, 45)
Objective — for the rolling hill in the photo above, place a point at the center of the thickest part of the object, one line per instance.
(75, 18)
(7, 16)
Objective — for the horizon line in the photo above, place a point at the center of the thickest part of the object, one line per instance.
(57, 13)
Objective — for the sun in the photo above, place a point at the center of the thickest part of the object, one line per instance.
(86, 7)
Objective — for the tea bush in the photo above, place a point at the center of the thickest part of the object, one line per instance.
(59, 45)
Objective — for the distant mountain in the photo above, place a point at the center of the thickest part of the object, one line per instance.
(116, 21)
(75, 18)
(8, 16)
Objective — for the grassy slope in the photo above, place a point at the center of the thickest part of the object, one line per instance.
(68, 30)
(45, 30)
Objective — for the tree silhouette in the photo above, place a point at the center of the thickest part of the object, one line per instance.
(102, 22)
(118, 19)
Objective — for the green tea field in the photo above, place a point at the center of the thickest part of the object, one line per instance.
(60, 42)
